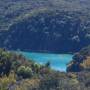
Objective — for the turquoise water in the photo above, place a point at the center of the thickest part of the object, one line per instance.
(57, 61)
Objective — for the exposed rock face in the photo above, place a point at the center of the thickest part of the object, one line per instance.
(56, 26)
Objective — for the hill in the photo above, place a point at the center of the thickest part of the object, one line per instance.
(45, 25)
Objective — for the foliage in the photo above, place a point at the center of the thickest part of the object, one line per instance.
(70, 21)
(5, 62)
(27, 75)
(24, 72)
(5, 81)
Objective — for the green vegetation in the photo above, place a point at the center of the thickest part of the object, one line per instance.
(48, 25)
(63, 24)
(17, 73)
(25, 72)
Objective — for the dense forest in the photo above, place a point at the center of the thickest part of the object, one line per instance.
(43, 25)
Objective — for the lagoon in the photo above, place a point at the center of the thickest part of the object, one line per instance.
(57, 61)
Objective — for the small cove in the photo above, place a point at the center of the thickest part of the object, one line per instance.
(57, 61)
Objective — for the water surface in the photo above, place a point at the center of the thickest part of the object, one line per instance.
(58, 61)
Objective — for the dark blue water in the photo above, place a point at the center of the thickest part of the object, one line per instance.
(58, 61)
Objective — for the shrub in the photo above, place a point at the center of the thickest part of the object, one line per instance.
(5, 81)
(5, 63)
(36, 67)
(24, 72)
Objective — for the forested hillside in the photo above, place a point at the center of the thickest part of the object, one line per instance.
(45, 25)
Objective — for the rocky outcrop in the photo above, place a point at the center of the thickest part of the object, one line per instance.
(81, 61)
